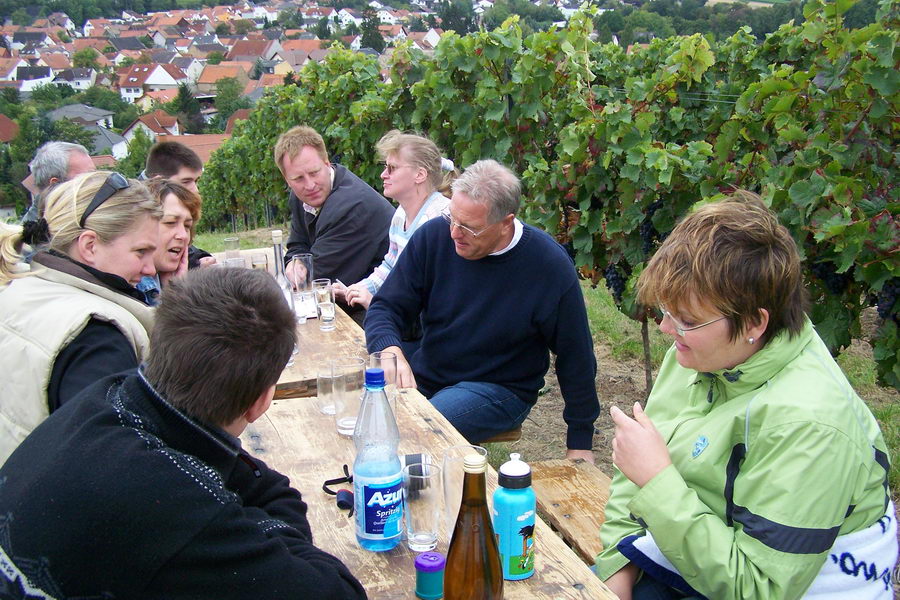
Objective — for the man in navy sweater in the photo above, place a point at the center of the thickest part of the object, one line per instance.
(138, 487)
(496, 296)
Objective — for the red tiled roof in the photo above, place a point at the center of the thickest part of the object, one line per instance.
(56, 60)
(249, 48)
(242, 114)
(305, 45)
(213, 73)
(9, 129)
(204, 145)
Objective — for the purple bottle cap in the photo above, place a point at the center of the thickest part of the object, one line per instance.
(430, 562)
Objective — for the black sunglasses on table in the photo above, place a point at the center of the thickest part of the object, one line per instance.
(114, 183)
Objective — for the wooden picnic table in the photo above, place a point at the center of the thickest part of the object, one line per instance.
(300, 442)
(316, 348)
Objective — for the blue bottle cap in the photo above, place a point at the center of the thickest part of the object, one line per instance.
(430, 562)
(374, 377)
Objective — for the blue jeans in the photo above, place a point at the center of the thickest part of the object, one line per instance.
(649, 588)
(480, 410)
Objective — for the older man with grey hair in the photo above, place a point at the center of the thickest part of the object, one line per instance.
(54, 163)
(496, 297)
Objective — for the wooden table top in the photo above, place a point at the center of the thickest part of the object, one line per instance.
(316, 348)
(300, 442)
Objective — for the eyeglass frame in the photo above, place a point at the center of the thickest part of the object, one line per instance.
(681, 329)
(115, 182)
(391, 168)
(448, 218)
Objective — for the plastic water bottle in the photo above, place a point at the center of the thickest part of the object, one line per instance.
(514, 506)
(377, 476)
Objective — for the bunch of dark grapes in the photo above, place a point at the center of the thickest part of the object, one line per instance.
(835, 282)
(648, 232)
(615, 283)
(887, 297)
(648, 236)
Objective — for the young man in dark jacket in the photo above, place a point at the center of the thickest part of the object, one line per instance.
(139, 488)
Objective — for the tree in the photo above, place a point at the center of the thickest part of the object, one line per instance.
(223, 29)
(65, 130)
(10, 104)
(228, 98)
(188, 110)
(214, 58)
(138, 148)
(457, 15)
(64, 37)
(371, 37)
(244, 26)
(323, 29)
(291, 18)
(258, 70)
(417, 23)
(147, 41)
(86, 58)
(20, 17)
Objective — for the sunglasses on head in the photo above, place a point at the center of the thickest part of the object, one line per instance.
(114, 183)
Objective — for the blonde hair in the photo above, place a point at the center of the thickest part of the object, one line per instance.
(421, 152)
(292, 141)
(736, 257)
(63, 208)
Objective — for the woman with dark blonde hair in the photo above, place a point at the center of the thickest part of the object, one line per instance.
(416, 177)
(73, 316)
(181, 212)
(756, 471)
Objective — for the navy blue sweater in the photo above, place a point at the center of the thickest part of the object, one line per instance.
(492, 320)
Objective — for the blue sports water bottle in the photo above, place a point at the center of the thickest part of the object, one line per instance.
(377, 478)
(514, 506)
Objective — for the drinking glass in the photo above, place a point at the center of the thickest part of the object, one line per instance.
(422, 500)
(232, 247)
(259, 260)
(325, 389)
(300, 271)
(453, 475)
(236, 262)
(348, 389)
(387, 361)
(326, 316)
(324, 303)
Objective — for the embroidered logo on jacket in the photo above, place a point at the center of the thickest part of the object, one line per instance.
(699, 446)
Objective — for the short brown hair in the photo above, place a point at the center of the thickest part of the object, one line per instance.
(735, 256)
(221, 337)
(165, 159)
(292, 141)
(161, 188)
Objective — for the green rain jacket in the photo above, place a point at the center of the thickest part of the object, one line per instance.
(772, 461)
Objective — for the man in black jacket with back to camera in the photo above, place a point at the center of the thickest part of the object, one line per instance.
(139, 488)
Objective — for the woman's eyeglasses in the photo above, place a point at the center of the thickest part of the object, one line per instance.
(114, 183)
(681, 329)
(391, 168)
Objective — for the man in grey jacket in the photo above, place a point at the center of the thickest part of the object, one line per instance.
(335, 215)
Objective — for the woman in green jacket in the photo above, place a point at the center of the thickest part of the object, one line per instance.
(756, 471)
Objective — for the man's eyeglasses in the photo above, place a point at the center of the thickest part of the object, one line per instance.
(453, 223)
(114, 183)
(391, 168)
(681, 329)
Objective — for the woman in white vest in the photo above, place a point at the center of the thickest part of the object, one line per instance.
(73, 316)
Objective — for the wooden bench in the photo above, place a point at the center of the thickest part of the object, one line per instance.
(571, 496)
(507, 436)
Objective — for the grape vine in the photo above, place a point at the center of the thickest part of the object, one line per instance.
(614, 148)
